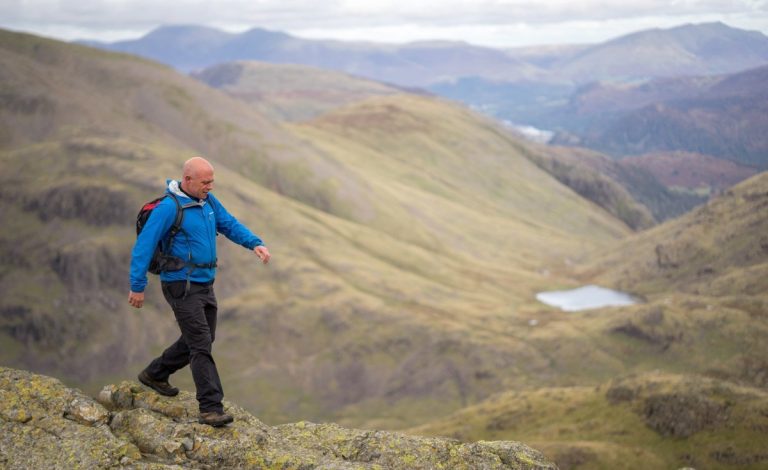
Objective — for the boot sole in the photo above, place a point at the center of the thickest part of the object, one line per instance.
(160, 391)
(215, 425)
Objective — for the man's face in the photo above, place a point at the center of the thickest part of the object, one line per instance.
(199, 183)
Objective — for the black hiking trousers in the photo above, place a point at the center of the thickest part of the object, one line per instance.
(196, 316)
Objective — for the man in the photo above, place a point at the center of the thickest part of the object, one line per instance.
(189, 290)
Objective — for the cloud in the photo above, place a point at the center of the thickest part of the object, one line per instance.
(340, 18)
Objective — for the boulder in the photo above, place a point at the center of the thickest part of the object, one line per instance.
(44, 424)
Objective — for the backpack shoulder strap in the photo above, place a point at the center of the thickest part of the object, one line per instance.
(179, 217)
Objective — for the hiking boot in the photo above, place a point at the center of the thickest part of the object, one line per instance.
(215, 418)
(161, 387)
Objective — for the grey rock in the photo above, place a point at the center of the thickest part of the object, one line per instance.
(44, 424)
(86, 411)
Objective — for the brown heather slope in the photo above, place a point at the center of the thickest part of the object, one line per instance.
(691, 171)
(409, 237)
(631, 193)
(724, 117)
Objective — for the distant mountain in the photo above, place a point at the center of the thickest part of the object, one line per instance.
(703, 49)
(586, 85)
(725, 116)
(192, 48)
(546, 55)
(602, 102)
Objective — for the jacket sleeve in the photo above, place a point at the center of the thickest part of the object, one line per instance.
(231, 228)
(158, 224)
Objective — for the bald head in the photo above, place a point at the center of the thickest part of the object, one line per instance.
(197, 179)
(196, 165)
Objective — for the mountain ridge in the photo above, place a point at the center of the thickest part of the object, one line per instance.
(734, 50)
(45, 425)
(707, 48)
(411, 64)
(721, 117)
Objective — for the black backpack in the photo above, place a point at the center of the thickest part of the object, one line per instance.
(160, 260)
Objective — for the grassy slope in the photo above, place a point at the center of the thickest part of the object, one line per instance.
(295, 93)
(290, 92)
(593, 176)
(90, 135)
(653, 420)
(408, 236)
(442, 262)
(645, 191)
(703, 278)
(707, 273)
(699, 252)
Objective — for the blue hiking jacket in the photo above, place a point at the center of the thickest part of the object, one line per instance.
(195, 242)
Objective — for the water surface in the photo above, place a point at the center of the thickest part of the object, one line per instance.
(585, 298)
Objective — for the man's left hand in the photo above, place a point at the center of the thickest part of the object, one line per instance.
(263, 253)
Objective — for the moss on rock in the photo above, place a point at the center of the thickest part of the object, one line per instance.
(44, 424)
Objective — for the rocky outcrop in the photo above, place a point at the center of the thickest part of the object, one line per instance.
(681, 414)
(44, 424)
(679, 407)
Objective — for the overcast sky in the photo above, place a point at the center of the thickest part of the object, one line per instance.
(485, 22)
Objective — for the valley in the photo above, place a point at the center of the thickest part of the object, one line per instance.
(410, 236)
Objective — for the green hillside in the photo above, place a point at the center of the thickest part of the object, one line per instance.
(706, 274)
(719, 249)
(630, 192)
(644, 421)
(693, 388)
(290, 92)
(409, 238)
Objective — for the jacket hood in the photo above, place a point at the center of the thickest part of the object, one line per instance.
(174, 187)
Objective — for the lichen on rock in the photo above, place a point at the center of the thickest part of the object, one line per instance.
(44, 424)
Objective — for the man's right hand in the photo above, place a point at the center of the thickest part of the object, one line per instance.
(136, 299)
